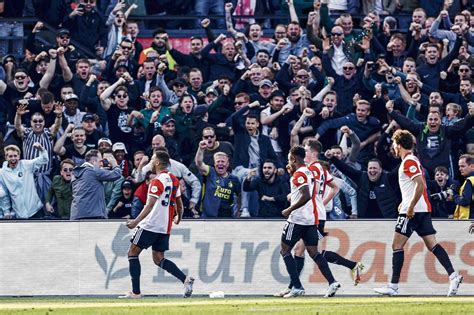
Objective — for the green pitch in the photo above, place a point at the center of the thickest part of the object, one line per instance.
(238, 305)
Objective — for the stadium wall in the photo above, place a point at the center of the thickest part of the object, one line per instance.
(237, 257)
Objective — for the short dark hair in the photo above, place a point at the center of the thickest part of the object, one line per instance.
(404, 138)
(442, 169)
(66, 161)
(154, 89)
(269, 161)
(252, 116)
(47, 98)
(263, 51)
(163, 157)
(91, 154)
(376, 161)
(159, 30)
(298, 151)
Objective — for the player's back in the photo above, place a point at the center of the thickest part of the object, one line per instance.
(306, 214)
(321, 178)
(165, 188)
(410, 168)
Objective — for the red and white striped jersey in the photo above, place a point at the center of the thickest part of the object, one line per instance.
(306, 214)
(165, 188)
(409, 169)
(322, 178)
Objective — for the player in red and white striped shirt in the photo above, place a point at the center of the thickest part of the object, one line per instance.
(414, 215)
(154, 226)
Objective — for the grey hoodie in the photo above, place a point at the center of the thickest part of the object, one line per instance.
(88, 198)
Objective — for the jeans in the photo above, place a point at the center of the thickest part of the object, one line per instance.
(206, 8)
(11, 29)
(249, 199)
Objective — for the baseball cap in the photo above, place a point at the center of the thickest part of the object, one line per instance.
(64, 31)
(119, 146)
(127, 183)
(265, 82)
(179, 81)
(200, 110)
(87, 117)
(167, 119)
(71, 96)
(211, 90)
(107, 140)
(277, 93)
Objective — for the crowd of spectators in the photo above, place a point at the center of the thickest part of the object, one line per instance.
(79, 134)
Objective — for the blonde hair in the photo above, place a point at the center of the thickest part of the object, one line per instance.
(220, 153)
(11, 147)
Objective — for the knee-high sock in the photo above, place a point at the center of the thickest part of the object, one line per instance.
(292, 271)
(443, 258)
(135, 271)
(335, 258)
(170, 266)
(324, 267)
(398, 256)
(299, 261)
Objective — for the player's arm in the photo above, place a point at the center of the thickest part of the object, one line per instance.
(199, 159)
(332, 192)
(146, 210)
(419, 188)
(179, 210)
(305, 196)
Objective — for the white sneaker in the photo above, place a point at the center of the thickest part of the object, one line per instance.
(386, 290)
(356, 272)
(282, 293)
(130, 295)
(188, 287)
(294, 293)
(454, 284)
(332, 289)
(245, 213)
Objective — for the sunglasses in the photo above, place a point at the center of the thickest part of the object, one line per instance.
(179, 85)
(20, 77)
(239, 103)
(126, 47)
(121, 95)
(347, 68)
(64, 37)
(89, 1)
(66, 169)
(336, 34)
(35, 121)
(208, 137)
(463, 70)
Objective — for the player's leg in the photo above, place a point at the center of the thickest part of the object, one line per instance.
(335, 258)
(159, 247)
(140, 239)
(298, 252)
(427, 233)
(398, 257)
(291, 235)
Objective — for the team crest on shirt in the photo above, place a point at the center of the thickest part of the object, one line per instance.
(230, 185)
(300, 180)
(412, 169)
(154, 189)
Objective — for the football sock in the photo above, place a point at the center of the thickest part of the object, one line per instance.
(299, 261)
(324, 267)
(170, 266)
(398, 257)
(443, 258)
(335, 258)
(292, 271)
(135, 271)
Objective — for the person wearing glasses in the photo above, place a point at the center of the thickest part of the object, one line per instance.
(61, 190)
(37, 133)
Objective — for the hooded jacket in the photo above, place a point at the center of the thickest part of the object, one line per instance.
(88, 197)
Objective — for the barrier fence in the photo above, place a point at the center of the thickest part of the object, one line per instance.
(238, 257)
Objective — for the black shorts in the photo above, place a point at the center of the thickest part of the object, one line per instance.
(321, 229)
(293, 232)
(144, 239)
(421, 224)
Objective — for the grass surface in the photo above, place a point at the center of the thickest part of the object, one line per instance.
(239, 305)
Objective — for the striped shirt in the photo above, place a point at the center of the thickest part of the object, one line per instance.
(46, 140)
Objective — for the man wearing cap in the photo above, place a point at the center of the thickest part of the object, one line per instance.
(168, 131)
(120, 154)
(123, 207)
(211, 95)
(179, 86)
(265, 88)
(104, 145)
(92, 134)
(72, 114)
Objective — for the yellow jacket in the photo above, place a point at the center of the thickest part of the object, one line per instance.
(463, 212)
